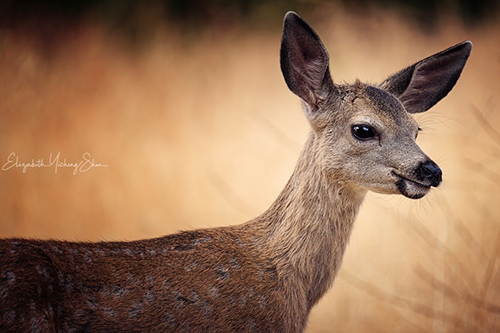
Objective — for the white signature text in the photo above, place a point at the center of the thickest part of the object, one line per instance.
(54, 161)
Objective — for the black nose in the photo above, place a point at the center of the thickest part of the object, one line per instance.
(430, 171)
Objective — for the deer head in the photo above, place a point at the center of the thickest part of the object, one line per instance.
(364, 134)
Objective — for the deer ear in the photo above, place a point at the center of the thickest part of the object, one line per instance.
(304, 61)
(421, 86)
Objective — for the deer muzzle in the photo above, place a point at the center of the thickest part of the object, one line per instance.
(418, 183)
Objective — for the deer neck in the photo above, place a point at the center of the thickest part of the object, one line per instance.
(309, 225)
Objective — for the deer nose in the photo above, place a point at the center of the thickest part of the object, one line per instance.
(431, 172)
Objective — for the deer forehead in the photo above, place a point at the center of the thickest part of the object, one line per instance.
(380, 108)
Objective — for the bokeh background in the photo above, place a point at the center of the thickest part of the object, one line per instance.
(184, 103)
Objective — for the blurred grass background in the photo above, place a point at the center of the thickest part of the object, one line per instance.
(185, 103)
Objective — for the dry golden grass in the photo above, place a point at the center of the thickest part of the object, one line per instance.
(204, 133)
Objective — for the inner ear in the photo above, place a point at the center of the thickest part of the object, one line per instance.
(422, 85)
(304, 61)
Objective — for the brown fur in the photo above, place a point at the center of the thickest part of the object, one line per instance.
(261, 276)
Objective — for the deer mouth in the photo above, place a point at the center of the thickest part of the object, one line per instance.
(411, 188)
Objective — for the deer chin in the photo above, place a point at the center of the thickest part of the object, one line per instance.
(411, 188)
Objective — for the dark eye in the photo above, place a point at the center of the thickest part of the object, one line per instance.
(363, 132)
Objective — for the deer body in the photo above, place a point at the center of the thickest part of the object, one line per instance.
(261, 276)
(264, 275)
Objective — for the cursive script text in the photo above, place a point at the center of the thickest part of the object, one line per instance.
(54, 161)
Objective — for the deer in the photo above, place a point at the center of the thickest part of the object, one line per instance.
(264, 275)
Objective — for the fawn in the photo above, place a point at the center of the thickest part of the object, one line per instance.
(264, 275)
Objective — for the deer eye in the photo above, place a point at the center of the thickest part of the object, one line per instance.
(363, 132)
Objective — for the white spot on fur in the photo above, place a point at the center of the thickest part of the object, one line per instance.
(234, 263)
(42, 271)
(260, 273)
(57, 249)
(192, 266)
(92, 303)
(119, 292)
(166, 283)
(180, 301)
(132, 279)
(136, 309)
(10, 276)
(149, 297)
(240, 243)
(222, 272)
(87, 256)
(109, 312)
(213, 291)
(262, 301)
(194, 297)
